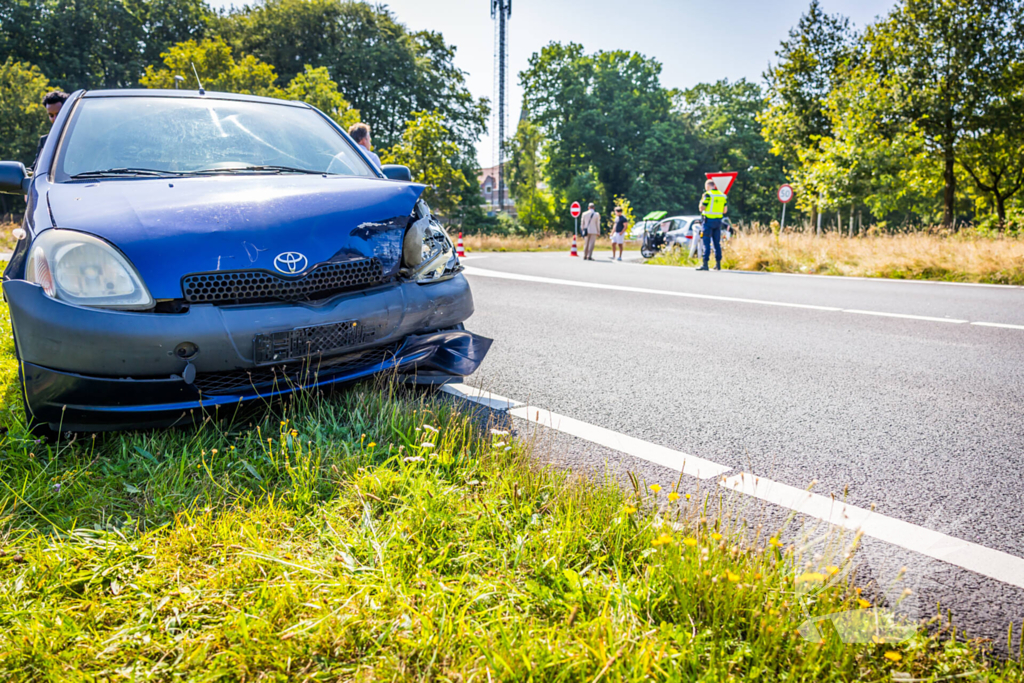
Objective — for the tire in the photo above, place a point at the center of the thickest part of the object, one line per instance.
(647, 252)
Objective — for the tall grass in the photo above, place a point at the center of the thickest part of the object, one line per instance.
(377, 534)
(562, 243)
(954, 258)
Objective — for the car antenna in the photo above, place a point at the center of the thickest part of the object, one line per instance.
(201, 91)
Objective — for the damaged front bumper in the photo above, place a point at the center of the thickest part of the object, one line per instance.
(87, 369)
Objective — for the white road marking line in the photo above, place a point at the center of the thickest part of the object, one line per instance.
(987, 562)
(638, 290)
(904, 315)
(1003, 325)
(480, 396)
(480, 272)
(660, 455)
(994, 564)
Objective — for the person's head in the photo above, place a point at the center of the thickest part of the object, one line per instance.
(710, 185)
(590, 206)
(618, 210)
(360, 132)
(53, 101)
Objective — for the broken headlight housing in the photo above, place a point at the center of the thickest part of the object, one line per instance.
(428, 254)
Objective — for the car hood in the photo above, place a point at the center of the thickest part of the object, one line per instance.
(172, 227)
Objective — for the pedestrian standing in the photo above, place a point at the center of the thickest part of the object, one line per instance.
(53, 102)
(590, 225)
(619, 232)
(713, 206)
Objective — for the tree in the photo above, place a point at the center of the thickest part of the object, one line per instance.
(723, 117)
(315, 87)
(596, 110)
(216, 68)
(22, 115)
(427, 149)
(667, 169)
(97, 43)
(534, 203)
(809, 67)
(385, 71)
(951, 62)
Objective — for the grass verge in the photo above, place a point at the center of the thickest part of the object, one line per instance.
(383, 535)
(916, 256)
(562, 243)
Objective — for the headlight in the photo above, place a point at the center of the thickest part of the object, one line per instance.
(428, 253)
(84, 270)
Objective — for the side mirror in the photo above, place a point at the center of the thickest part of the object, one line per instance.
(13, 177)
(396, 172)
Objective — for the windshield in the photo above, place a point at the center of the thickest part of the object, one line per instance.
(171, 135)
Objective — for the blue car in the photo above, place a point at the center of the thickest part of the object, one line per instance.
(191, 250)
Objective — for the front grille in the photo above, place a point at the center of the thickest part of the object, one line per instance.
(250, 286)
(291, 375)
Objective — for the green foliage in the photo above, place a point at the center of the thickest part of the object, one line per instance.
(386, 71)
(22, 115)
(427, 149)
(97, 43)
(535, 206)
(217, 69)
(723, 117)
(314, 86)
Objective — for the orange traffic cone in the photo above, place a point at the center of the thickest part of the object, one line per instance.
(460, 251)
(573, 252)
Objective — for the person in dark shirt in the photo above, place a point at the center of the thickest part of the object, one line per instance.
(619, 232)
(53, 101)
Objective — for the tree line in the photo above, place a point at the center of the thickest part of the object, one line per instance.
(917, 120)
(352, 60)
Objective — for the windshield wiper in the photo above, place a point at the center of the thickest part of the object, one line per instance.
(116, 172)
(259, 169)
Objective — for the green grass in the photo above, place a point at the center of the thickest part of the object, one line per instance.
(384, 535)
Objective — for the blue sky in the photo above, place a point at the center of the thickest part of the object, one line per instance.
(695, 41)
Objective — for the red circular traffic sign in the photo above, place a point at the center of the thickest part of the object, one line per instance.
(574, 209)
(786, 194)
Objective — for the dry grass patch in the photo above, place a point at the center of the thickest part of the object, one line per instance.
(535, 243)
(956, 258)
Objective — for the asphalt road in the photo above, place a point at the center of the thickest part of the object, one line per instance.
(919, 416)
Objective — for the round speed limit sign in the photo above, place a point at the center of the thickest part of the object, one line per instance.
(785, 194)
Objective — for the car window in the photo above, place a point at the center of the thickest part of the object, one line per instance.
(188, 135)
(667, 226)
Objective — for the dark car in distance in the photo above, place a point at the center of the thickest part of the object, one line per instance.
(189, 250)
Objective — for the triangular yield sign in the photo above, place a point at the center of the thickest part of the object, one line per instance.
(723, 181)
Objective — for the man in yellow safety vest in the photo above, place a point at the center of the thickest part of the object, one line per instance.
(713, 206)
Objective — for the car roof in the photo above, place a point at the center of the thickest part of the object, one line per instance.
(191, 94)
(677, 218)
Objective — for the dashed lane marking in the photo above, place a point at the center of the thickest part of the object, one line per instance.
(987, 562)
(481, 272)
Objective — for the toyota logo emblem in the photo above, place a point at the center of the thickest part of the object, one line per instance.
(290, 262)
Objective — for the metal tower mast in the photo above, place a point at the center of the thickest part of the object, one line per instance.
(501, 11)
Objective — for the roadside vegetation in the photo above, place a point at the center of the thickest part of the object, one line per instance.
(382, 535)
(557, 243)
(968, 256)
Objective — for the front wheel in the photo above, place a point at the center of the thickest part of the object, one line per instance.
(647, 251)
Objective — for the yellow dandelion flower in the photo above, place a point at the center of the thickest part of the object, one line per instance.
(716, 536)
(732, 576)
(673, 497)
(757, 576)
(655, 488)
(295, 432)
(774, 542)
(690, 541)
(831, 569)
(863, 604)
(877, 640)
(629, 509)
(810, 576)
(232, 448)
(663, 539)
(284, 422)
(687, 496)
(894, 656)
